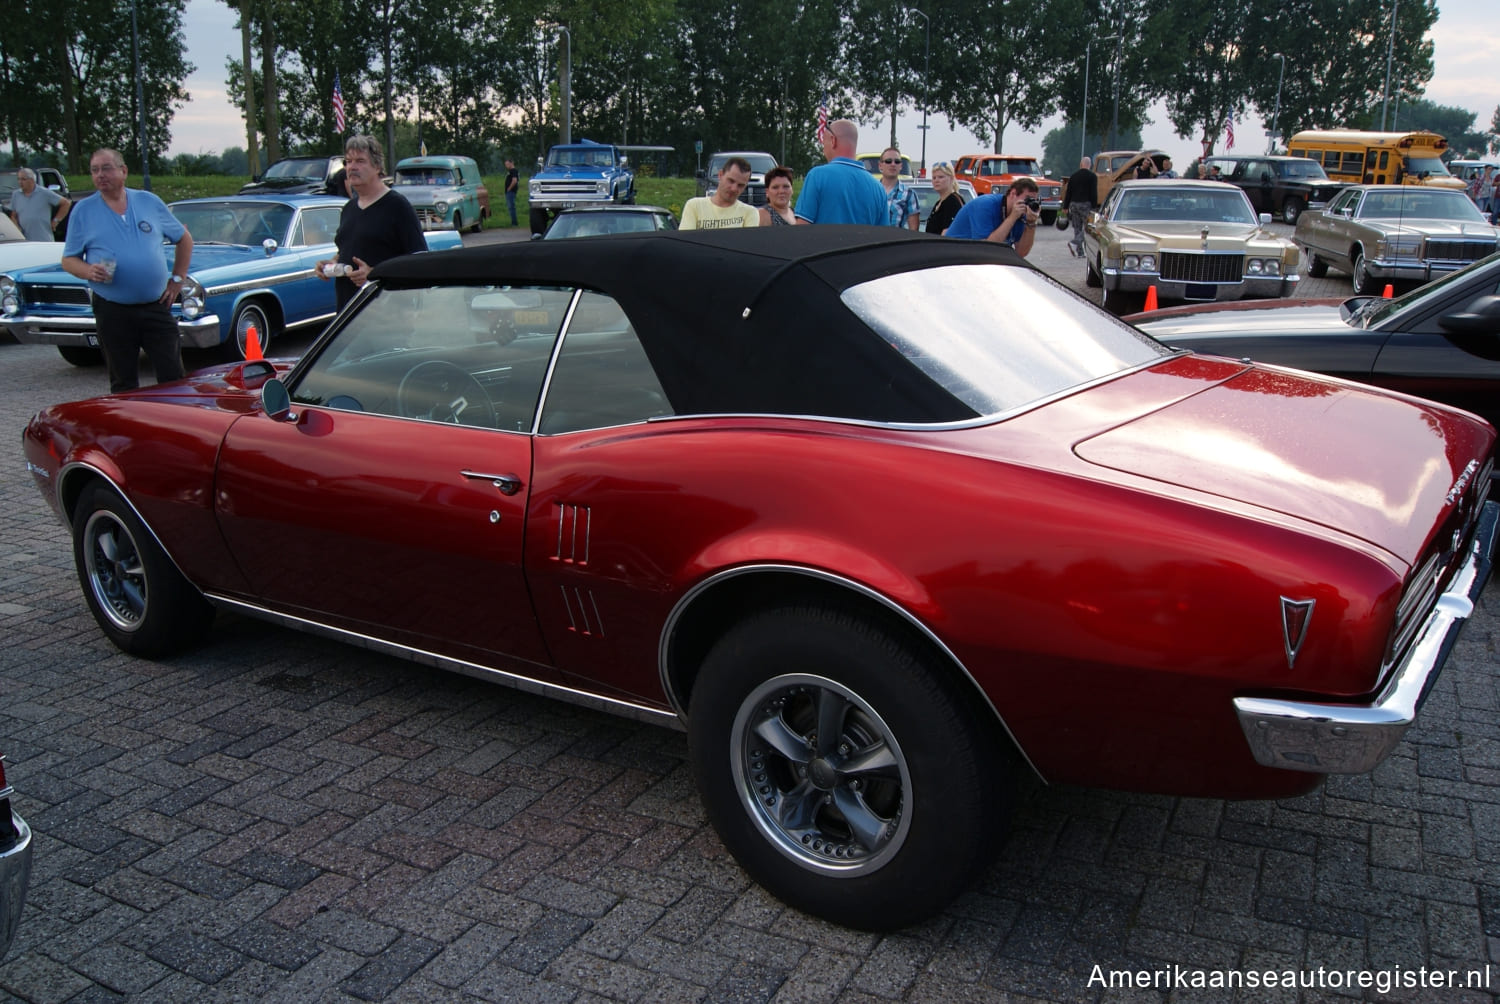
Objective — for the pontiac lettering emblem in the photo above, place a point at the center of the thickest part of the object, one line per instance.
(1296, 616)
(1462, 482)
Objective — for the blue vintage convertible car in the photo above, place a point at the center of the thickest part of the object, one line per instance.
(253, 259)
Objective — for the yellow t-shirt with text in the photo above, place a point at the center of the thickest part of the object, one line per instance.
(702, 214)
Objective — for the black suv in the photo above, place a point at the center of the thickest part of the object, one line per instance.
(296, 176)
(1281, 186)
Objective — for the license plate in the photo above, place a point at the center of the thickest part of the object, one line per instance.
(530, 317)
(1200, 291)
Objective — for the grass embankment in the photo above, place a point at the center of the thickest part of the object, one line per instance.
(668, 192)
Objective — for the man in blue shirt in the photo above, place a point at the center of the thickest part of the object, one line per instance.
(1008, 219)
(842, 191)
(115, 242)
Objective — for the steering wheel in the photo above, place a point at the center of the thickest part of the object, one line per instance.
(439, 391)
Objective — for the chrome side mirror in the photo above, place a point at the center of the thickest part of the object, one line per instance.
(275, 400)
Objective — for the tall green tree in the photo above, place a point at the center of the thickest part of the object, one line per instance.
(1454, 124)
(1336, 56)
(1209, 74)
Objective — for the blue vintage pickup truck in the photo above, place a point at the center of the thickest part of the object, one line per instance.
(576, 174)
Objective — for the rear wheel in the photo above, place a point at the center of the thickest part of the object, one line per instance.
(1291, 209)
(843, 768)
(135, 592)
(81, 355)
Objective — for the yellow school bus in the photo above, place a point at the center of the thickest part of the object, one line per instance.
(1377, 158)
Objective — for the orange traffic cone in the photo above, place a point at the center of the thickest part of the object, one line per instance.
(1150, 298)
(1390, 291)
(252, 344)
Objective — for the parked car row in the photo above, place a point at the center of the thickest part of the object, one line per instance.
(252, 266)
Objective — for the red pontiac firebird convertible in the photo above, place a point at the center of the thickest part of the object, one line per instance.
(879, 519)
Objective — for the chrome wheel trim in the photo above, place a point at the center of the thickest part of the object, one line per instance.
(116, 573)
(821, 775)
(251, 314)
(1361, 278)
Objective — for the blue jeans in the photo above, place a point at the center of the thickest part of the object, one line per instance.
(510, 203)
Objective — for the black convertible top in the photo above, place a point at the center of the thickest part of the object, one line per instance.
(740, 320)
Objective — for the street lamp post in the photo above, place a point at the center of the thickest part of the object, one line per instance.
(1114, 124)
(1083, 140)
(565, 84)
(1390, 52)
(926, 65)
(1271, 140)
(140, 101)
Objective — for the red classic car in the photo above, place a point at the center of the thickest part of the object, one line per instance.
(878, 518)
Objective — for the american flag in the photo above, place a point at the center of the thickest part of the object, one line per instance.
(338, 102)
(823, 117)
(1229, 134)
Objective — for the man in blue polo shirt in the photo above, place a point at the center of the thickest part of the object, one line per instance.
(842, 191)
(1007, 219)
(115, 242)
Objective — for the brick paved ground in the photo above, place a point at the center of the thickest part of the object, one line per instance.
(276, 817)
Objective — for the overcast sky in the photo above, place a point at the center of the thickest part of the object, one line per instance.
(1466, 37)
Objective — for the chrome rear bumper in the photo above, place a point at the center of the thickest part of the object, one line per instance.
(1354, 738)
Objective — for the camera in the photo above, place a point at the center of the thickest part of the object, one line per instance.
(1033, 203)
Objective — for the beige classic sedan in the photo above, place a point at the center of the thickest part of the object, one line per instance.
(1194, 241)
(1395, 233)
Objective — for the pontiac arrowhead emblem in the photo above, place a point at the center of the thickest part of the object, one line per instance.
(1205, 238)
(1296, 616)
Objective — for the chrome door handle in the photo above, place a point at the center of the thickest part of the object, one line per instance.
(508, 484)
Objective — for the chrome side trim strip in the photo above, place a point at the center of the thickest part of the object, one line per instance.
(275, 280)
(669, 629)
(596, 702)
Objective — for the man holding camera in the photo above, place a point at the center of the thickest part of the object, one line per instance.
(1008, 219)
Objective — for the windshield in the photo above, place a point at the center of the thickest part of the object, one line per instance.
(1304, 169)
(424, 176)
(576, 157)
(248, 222)
(986, 353)
(308, 168)
(1428, 165)
(759, 163)
(594, 223)
(1419, 203)
(1160, 203)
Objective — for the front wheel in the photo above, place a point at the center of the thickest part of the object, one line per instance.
(81, 355)
(141, 601)
(1091, 276)
(1290, 210)
(843, 767)
(251, 316)
(539, 221)
(1317, 268)
(1363, 283)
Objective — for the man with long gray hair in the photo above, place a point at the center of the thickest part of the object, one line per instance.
(375, 225)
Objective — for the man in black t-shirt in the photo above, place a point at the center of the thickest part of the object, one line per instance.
(512, 186)
(1078, 202)
(376, 224)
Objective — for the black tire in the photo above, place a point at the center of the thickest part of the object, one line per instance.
(1359, 278)
(539, 221)
(1291, 209)
(458, 223)
(81, 355)
(1049, 217)
(879, 823)
(141, 601)
(1091, 276)
(1317, 268)
(250, 312)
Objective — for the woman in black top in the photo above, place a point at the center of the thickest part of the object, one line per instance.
(949, 201)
